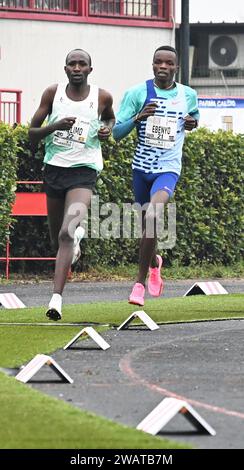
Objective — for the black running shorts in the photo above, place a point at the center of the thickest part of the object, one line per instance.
(59, 180)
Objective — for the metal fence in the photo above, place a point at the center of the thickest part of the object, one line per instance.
(10, 106)
(213, 81)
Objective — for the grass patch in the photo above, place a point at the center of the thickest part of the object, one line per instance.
(31, 420)
(19, 343)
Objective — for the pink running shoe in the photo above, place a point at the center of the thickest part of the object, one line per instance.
(137, 294)
(155, 283)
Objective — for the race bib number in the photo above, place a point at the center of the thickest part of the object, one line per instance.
(77, 135)
(161, 131)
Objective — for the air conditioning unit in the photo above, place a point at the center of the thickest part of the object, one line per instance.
(226, 51)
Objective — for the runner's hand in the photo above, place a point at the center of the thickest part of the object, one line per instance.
(104, 132)
(65, 124)
(190, 123)
(149, 110)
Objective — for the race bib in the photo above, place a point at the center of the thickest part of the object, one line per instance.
(161, 131)
(77, 135)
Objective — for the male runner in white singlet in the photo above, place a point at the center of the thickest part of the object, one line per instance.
(79, 117)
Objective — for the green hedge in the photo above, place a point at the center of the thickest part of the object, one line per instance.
(210, 199)
(8, 163)
(30, 236)
(209, 202)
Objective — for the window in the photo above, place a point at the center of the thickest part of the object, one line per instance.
(43, 5)
(227, 123)
(129, 8)
(61, 5)
(94, 11)
(104, 7)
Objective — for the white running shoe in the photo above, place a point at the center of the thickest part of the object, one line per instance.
(79, 234)
(55, 307)
(54, 314)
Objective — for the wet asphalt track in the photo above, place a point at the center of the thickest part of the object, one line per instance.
(82, 292)
(201, 363)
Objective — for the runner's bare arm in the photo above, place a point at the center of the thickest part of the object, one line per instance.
(107, 114)
(36, 131)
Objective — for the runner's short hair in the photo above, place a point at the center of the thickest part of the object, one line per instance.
(166, 48)
(81, 50)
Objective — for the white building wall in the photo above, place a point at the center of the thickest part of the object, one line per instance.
(33, 56)
(214, 11)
